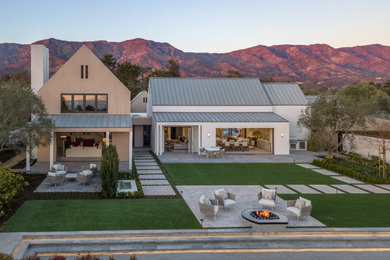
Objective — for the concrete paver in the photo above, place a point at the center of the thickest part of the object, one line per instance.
(326, 189)
(147, 168)
(385, 186)
(349, 189)
(149, 172)
(303, 189)
(326, 172)
(281, 189)
(372, 188)
(146, 164)
(347, 179)
(154, 182)
(151, 177)
(308, 166)
(158, 190)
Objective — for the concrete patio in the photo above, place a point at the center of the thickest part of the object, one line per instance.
(73, 166)
(246, 198)
(294, 156)
(71, 186)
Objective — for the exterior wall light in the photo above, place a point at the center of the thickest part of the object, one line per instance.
(208, 134)
(282, 135)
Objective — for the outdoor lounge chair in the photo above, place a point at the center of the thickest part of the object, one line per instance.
(59, 168)
(267, 198)
(300, 207)
(85, 177)
(208, 207)
(202, 151)
(225, 199)
(55, 178)
(93, 168)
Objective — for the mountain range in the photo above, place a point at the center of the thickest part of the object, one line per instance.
(317, 65)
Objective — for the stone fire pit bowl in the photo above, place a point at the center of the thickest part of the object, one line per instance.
(277, 222)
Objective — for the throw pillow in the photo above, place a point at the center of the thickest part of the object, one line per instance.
(202, 198)
(218, 192)
(207, 201)
(223, 195)
(299, 203)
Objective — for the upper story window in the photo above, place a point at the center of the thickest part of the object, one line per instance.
(145, 100)
(84, 71)
(84, 103)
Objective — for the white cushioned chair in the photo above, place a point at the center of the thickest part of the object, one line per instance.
(208, 207)
(267, 198)
(85, 177)
(300, 207)
(225, 199)
(55, 178)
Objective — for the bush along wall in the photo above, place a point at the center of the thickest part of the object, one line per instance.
(109, 171)
(362, 175)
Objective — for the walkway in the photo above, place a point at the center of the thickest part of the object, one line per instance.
(293, 157)
(152, 179)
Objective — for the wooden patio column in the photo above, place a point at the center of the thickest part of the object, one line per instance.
(51, 149)
(131, 150)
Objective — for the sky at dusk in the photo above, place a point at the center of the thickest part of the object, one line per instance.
(199, 26)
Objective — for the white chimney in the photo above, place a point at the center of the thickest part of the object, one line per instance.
(39, 66)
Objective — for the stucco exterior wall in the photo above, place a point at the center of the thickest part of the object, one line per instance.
(137, 104)
(365, 146)
(100, 81)
(121, 141)
(43, 152)
(291, 113)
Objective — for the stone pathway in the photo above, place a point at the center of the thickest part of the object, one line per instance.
(326, 172)
(308, 166)
(281, 189)
(385, 186)
(372, 188)
(326, 189)
(349, 189)
(304, 189)
(152, 179)
(347, 180)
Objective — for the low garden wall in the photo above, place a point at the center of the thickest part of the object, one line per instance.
(366, 146)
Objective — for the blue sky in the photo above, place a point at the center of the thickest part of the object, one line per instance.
(200, 26)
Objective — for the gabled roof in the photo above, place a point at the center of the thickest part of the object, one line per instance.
(138, 95)
(223, 92)
(207, 92)
(284, 93)
(218, 117)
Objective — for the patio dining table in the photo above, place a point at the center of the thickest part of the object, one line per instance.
(212, 149)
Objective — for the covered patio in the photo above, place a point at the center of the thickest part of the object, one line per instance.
(78, 140)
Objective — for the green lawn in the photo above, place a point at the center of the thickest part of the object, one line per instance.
(126, 214)
(349, 210)
(244, 174)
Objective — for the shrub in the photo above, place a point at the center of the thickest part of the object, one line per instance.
(87, 257)
(5, 257)
(109, 171)
(314, 144)
(11, 185)
(57, 257)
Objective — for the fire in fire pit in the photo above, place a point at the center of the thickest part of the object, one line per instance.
(263, 214)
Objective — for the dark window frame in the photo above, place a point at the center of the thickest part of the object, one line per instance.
(86, 71)
(84, 103)
(82, 71)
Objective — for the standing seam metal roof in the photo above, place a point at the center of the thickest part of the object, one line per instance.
(223, 92)
(90, 121)
(208, 92)
(283, 93)
(218, 117)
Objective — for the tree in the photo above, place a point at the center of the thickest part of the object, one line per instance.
(110, 62)
(109, 171)
(339, 113)
(233, 74)
(130, 75)
(17, 104)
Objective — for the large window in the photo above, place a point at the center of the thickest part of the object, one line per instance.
(84, 103)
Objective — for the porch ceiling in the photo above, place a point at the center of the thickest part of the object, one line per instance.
(246, 117)
(90, 121)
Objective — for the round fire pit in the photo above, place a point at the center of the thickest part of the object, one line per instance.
(264, 220)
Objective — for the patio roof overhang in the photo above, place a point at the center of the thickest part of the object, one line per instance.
(221, 117)
(90, 122)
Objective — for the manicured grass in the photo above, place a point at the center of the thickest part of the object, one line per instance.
(244, 174)
(349, 210)
(126, 214)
